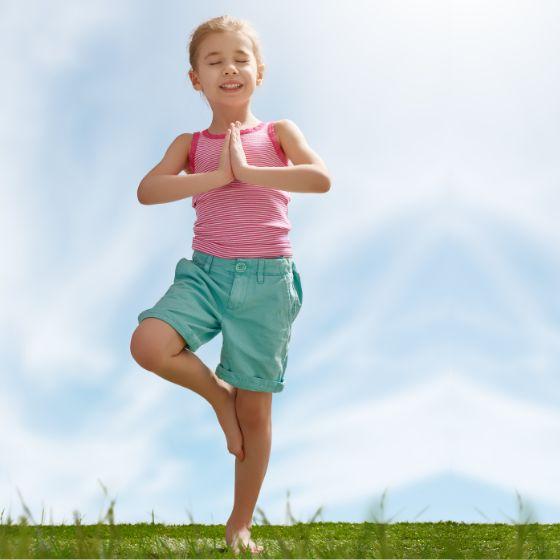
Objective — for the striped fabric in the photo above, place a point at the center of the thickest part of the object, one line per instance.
(241, 219)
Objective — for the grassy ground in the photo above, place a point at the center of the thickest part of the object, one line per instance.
(304, 540)
(370, 539)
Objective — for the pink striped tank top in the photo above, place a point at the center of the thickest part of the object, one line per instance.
(241, 219)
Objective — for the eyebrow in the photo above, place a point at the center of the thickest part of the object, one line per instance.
(220, 52)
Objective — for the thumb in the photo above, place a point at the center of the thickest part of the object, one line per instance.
(226, 139)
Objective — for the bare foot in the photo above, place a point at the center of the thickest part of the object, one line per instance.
(227, 417)
(239, 539)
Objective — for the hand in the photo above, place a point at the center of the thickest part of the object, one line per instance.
(224, 167)
(237, 154)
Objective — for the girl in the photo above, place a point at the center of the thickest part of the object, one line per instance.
(241, 280)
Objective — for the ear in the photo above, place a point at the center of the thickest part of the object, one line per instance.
(260, 73)
(194, 79)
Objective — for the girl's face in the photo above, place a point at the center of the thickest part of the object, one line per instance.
(223, 57)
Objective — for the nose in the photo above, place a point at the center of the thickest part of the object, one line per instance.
(230, 66)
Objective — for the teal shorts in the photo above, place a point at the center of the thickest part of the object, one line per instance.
(253, 302)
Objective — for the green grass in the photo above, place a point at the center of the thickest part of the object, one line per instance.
(377, 538)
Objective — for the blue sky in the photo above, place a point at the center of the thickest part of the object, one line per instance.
(425, 357)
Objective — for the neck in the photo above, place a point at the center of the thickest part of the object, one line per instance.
(223, 115)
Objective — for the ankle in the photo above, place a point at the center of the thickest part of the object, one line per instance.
(238, 523)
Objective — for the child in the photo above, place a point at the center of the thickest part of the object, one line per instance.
(241, 280)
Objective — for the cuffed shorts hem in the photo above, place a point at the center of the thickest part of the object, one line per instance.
(249, 383)
(187, 333)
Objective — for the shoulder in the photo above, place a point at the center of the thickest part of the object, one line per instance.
(295, 145)
(291, 140)
(184, 139)
(287, 131)
(181, 142)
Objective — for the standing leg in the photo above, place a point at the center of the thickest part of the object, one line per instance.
(254, 415)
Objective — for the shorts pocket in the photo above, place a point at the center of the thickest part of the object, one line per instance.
(297, 291)
(297, 284)
(182, 268)
(288, 297)
(293, 283)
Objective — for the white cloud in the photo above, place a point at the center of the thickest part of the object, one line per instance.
(340, 454)
(118, 444)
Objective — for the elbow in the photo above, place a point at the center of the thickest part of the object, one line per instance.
(325, 183)
(140, 194)
(323, 178)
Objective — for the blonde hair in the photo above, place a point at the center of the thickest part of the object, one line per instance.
(220, 24)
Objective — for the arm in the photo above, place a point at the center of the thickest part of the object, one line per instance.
(164, 184)
(308, 174)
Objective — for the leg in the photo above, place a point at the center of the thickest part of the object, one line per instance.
(254, 414)
(159, 348)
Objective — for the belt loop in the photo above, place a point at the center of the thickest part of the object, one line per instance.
(260, 271)
(208, 263)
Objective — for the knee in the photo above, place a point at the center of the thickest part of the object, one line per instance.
(144, 351)
(253, 413)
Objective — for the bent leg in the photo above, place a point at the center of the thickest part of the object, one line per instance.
(159, 348)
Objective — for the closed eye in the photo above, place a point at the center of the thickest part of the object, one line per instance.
(240, 61)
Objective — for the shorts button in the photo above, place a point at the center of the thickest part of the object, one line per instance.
(240, 267)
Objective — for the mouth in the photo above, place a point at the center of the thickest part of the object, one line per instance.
(236, 88)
